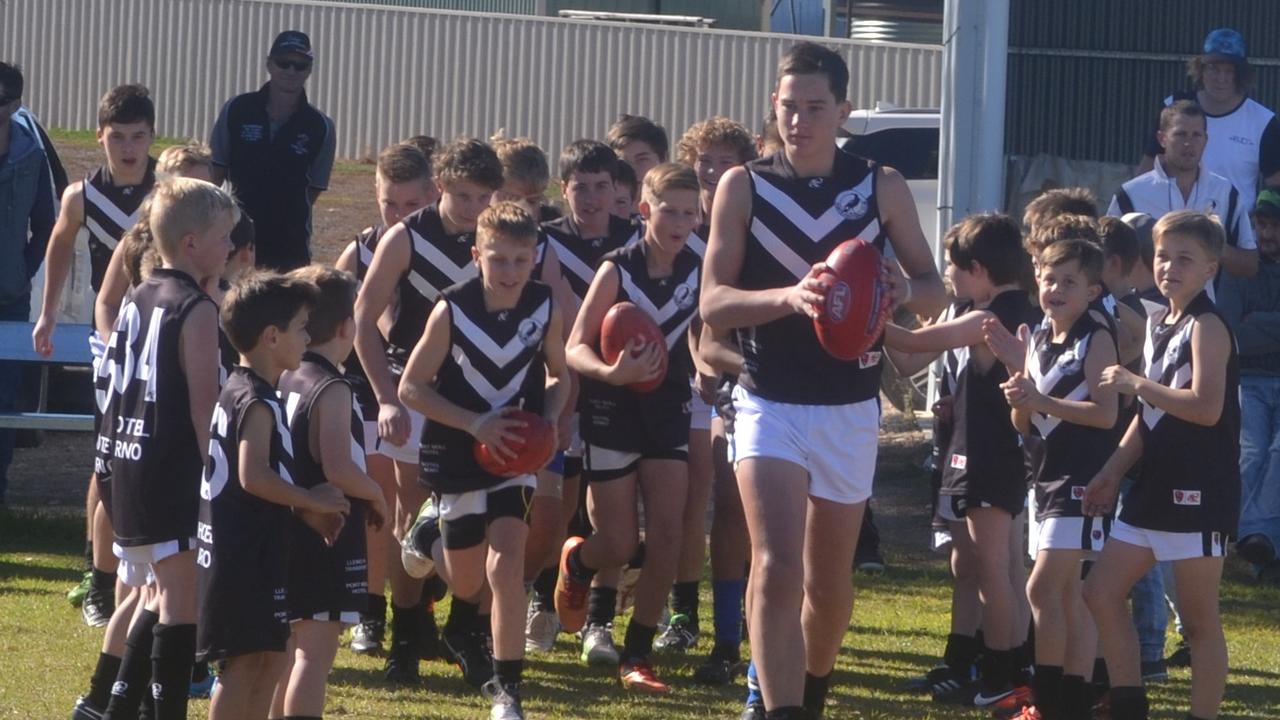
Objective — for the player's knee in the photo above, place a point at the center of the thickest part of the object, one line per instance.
(1098, 597)
(1042, 594)
(781, 575)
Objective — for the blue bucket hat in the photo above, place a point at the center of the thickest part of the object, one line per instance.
(1227, 43)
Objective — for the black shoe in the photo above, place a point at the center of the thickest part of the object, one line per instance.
(924, 683)
(957, 688)
(85, 711)
(429, 639)
(869, 561)
(1256, 549)
(367, 637)
(98, 607)
(1181, 656)
(470, 651)
(1154, 671)
(752, 712)
(402, 664)
(720, 668)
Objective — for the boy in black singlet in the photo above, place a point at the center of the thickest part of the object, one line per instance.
(403, 184)
(419, 257)
(1185, 440)
(1067, 424)
(328, 585)
(637, 442)
(639, 142)
(245, 499)
(983, 479)
(491, 344)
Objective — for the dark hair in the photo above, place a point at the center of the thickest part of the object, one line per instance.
(1086, 253)
(1181, 108)
(1119, 240)
(626, 176)
(468, 159)
(335, 300)
(11, 78)
(243, 234)
(260, 299)
(1059, 201)
(992, 240)
(402, 163)
(125, 104)
(426, 145)
(810, 58)
(588, 156)
(1063, 227)
(1244, 73)
(630, 128)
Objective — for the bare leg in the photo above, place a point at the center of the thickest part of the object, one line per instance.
(1198, 582)
(1106, 591)
(830, 541)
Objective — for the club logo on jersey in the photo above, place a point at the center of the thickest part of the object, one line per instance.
(869, 359)
(530, 332)
(1171, 354)
(684, 296)
(815, 183)
(851, 205)
(1069, 362)
(299, 145)
(119, 688)
(959, 462)
(838, 301)
(1097, 535)
(1077, 492)
(252, 133)
(1190, 498)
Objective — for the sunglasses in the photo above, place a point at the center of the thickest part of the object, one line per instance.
(292, 65)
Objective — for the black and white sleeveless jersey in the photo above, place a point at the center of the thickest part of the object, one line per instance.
(109, 211)
(619, 418)
(154, 458)
(495, 360)
(1063, 456)
(698, 239)
(579, 256)
(796, 222)
(437, 260)
(322, 578)
(366, 243)
(1189, 475)
(242, 544)
(984, 460)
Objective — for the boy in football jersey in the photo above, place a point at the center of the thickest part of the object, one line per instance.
(627, 186)
(328, 585)
(157, 384)
(637, 442)
(984, 480)
(1067, 425)
(1185, 440)
(639, 142)
(492, 344)
(420, 256)
(402, 185)
(248, 498)
(580, 239)
(102, 206)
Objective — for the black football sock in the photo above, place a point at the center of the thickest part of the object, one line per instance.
(684, 600)
(135, 668)
(1077, 698)
(544, 590)
(1129, 703)
(103, 582)
(815, 693)
(788, 713)
(510, 673)
(463, 616)
(88, 554)
(639, 641)
(961, 652)
(1047, 691)
(601, 603)
(1101, 678)
(376, 608)
(404, 625)
(104, 676)
(995, 669)
(172, 653)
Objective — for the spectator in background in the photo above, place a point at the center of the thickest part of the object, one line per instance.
(1252, 308)
(1181, 181)
(277, 150)
(26, 195)
(1244, 136)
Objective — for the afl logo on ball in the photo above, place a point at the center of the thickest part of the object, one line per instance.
(851, 205)
(684, 296)
(530, 332)
(838, 297)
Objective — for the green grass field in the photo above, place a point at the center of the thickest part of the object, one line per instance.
(898, 628)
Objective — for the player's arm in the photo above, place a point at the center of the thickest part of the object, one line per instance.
(923, 292)
(1100, 409)
(58, 259)
(200, 367)
(636, 363)
(258, 479)
(718, 352)
(115, 283)
(1101, 493)
(558, 386)
(959, 332)
(1201, 403)
(1131, 333)
(722, 302)
(331, 442)
(347, 260)
(390, 262)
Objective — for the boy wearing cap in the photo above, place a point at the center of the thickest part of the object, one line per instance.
(1244, 136)
(277, 150)
(1249, 306)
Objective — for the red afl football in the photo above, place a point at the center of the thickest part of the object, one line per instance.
(533, 448)
(623, 323)
(857, 304)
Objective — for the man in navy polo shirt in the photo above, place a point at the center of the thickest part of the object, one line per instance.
(277, 150)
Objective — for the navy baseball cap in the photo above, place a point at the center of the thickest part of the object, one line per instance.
(292, 41)
(1225, 42)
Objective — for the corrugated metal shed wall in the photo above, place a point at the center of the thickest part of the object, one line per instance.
(729, 14)
(1087, 77)
(517, 7)
(384, 73)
